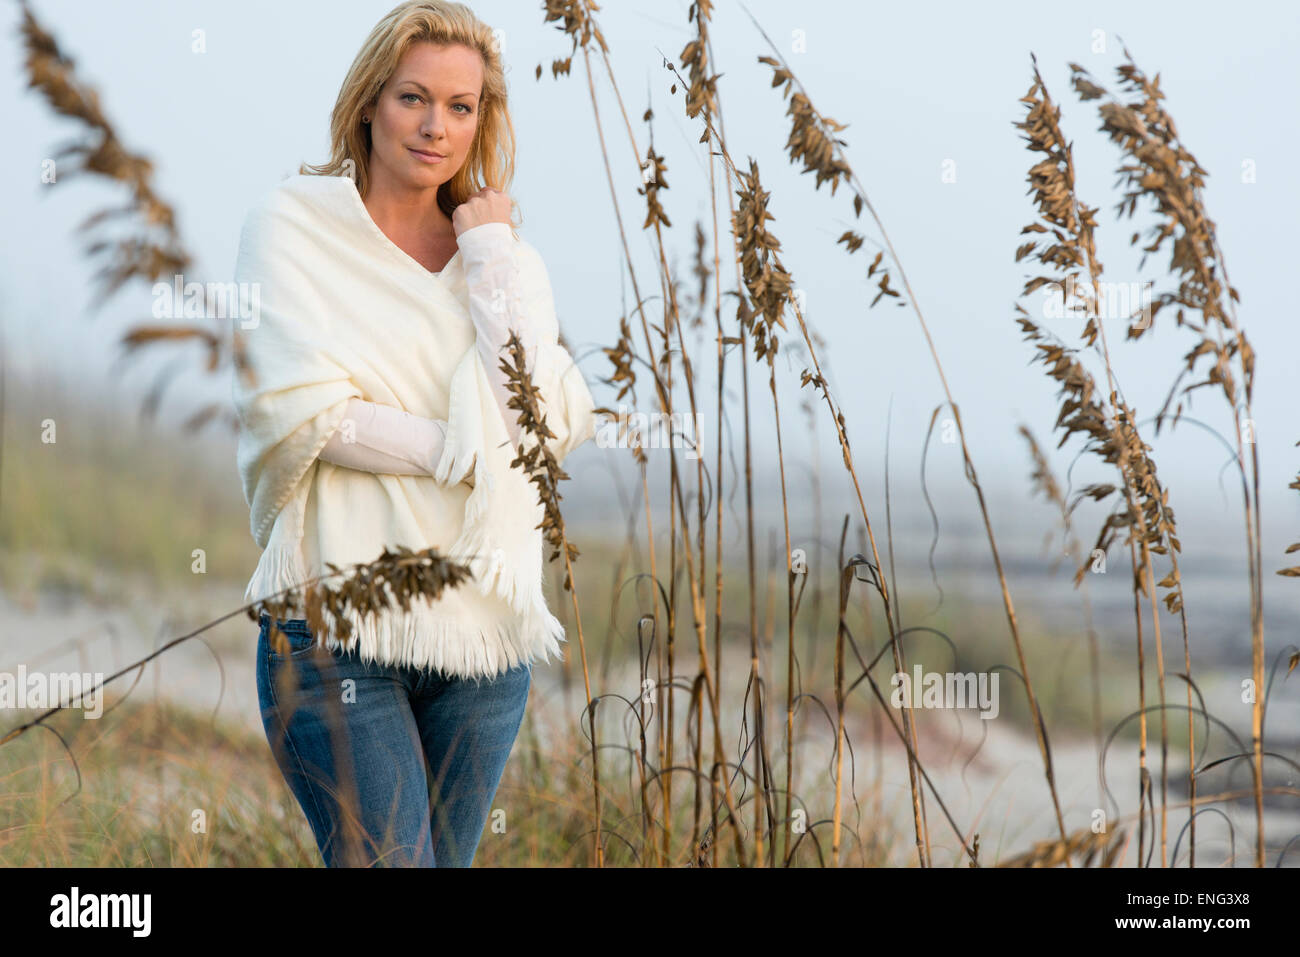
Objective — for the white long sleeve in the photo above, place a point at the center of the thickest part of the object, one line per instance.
(492, 279)
(380, 438)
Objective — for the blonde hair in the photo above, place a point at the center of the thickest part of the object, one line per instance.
(491, 159)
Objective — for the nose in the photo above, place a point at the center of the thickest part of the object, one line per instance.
(432, 127)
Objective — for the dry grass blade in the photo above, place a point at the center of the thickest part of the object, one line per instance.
(100, 152)
(766, 280)
(1102, 847)
(535, 458)
(576, 20)
(1158, 166)
(394, 579)
(1068, 249)
(816, 145)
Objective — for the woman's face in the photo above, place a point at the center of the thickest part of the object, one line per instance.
(429, 105)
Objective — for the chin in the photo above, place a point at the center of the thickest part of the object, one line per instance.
(419, 176)
(436, 171)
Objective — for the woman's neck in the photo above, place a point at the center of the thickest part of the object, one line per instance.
(413, 220)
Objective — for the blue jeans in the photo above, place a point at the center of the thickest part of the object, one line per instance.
(393, 766)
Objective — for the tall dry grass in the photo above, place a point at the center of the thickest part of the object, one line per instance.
(697, 756)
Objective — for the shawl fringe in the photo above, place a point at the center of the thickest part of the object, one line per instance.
(421, 639)
(449, 647)
(280, 567)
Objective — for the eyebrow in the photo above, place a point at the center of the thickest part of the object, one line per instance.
(424, 90)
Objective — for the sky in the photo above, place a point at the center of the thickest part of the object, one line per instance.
(926, 90)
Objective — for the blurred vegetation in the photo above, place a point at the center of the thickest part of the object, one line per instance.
(112, 494)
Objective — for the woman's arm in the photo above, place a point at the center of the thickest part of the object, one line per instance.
(509, 289)
(492, 278)
(380, 438)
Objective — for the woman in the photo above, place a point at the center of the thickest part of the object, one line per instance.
(374, 415)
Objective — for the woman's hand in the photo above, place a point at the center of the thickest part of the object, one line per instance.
(488, 205)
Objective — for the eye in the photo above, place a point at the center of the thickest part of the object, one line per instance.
(468, 109)
(405, 95)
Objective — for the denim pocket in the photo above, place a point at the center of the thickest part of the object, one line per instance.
(296, 635)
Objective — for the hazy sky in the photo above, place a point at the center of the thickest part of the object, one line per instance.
(923, 87)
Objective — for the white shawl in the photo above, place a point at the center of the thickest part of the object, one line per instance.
(342, 311)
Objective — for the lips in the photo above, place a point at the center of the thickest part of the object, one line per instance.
(427, 156)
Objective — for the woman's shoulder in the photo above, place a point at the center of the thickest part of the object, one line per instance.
(301, 192)
(311, 184)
